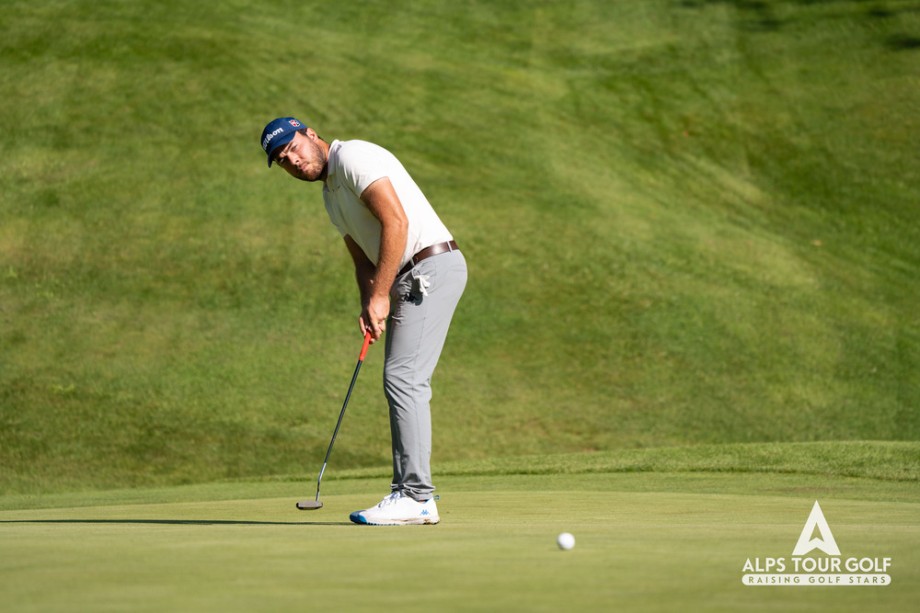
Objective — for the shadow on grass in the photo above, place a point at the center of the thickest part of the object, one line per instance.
(904, 43)
(759, 15)
(178, 522)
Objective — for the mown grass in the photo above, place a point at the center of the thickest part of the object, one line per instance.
(645, 541)
(885, 470)
(687, 223)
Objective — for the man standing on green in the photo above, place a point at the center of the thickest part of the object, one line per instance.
(393, 235)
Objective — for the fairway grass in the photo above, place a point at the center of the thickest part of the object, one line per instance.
(659, 541)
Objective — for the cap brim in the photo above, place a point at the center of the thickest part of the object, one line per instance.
(283, 140)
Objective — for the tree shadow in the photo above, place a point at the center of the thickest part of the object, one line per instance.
(758, 13)
(903, 43)
(177, 522)
(759, 16)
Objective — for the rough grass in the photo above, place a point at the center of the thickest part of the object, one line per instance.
(883, 470)
(687, 223)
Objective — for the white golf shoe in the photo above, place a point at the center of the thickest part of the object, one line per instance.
(397, 509)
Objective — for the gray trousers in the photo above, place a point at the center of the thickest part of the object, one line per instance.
(422, 301)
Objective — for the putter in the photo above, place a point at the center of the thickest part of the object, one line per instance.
(312, 505)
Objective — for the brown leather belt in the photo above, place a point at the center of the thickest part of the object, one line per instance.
(426, 253)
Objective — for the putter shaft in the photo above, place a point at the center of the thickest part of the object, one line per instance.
(338, 424)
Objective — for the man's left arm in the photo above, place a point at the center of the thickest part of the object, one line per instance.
(383, 202)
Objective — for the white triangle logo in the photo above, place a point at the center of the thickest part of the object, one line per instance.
(825, 543)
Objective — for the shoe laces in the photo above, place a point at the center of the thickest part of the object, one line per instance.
(391, 499)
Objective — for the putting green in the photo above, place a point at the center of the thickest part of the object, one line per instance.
(645, 541)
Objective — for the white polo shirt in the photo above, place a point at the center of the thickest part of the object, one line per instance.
(353, 166)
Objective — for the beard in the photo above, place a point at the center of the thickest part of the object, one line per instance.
(315, 170)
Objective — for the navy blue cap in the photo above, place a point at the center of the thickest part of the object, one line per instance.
(278, 133)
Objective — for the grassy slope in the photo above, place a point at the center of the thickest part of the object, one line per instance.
(687, 223)
(861, 471)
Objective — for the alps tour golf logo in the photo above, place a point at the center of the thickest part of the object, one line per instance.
(829, 569)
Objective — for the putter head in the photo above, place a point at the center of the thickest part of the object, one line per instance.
(309, 505)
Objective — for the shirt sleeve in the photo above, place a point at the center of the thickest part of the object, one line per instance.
(362, 164)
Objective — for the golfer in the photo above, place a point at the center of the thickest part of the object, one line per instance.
(410, 276)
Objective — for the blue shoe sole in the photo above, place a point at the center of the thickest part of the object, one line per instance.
(357, 518)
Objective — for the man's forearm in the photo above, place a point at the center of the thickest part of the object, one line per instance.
(364, 269)
(392, 245)
(364, 275)
(384, 204)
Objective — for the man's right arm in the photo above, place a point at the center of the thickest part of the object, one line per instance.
(364, 275)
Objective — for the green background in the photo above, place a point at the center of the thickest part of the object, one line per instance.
(692, 234)
(686, 222)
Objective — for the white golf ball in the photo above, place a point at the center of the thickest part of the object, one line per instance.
(565, 541)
